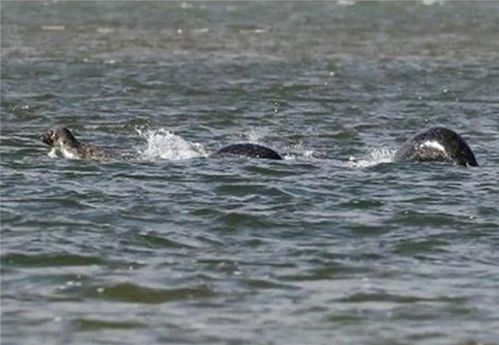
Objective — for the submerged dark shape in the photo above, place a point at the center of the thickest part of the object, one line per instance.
(247, 150)
(437, 144)
(63, 143)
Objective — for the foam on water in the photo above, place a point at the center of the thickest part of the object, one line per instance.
(375, 157)
(305, 154)
(297, 151)
(163, 144)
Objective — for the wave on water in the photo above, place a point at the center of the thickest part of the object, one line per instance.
(375, 157)
(163, 144)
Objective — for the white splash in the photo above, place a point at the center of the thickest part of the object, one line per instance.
(256, 134)
(53, 153)
(298, 152)
(163, 144)
(374, 158)
(432, 2)
(345, 2)
(62, 153)
(68, 154)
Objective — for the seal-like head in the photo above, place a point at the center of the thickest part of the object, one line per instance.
(437, 144)
(60, 137)
(64, 144)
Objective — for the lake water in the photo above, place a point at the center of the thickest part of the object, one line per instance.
(335, 244)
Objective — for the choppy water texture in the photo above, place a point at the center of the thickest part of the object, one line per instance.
(335, 244)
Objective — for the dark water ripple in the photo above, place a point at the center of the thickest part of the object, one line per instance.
(188, 249)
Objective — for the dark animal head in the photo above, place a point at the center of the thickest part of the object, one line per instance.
(437, 144)
(58, 137)
(455, 146)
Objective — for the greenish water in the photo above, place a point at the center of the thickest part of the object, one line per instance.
(333, 245)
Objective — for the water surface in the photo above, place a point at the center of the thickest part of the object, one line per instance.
(334, 244)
